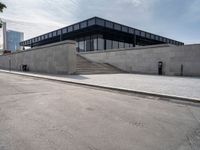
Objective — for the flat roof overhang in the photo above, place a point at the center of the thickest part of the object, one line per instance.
(98, 25)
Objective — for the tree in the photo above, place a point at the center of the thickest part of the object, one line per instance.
(2, 6)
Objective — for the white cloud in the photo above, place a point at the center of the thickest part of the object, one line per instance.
(36, 17)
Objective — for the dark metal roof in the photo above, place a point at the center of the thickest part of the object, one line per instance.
(92, 25)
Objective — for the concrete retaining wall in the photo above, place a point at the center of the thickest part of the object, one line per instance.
(145, 59)
(57, 58)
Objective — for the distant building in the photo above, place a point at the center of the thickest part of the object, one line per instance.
(13, 38)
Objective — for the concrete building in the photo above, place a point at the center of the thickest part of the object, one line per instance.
(13, 38)
(105, 47)
(99, 34)
(61, 58)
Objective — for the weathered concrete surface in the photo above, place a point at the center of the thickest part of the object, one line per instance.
(145, 59)
(187, 88)
(43, 115)
(57, 58)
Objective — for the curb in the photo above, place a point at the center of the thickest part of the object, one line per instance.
(186, 99)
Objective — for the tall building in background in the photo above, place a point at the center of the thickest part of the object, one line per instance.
(13, 38)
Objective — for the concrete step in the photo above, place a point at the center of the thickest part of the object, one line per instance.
(85, 66)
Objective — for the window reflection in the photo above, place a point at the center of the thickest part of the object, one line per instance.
(97, 42)
(115, 44)
(88, 44)
(121, 44)
(108, 44)
(81, 46)
(126, 45)
(100, 43)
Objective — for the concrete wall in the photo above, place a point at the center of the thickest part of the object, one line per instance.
(145, 59)
(57, 58)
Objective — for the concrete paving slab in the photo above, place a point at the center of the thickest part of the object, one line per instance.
(186, 88)
(38, 114)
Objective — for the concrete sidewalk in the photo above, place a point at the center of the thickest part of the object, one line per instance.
(184, 88)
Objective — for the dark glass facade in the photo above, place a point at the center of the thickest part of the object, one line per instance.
(13, 40)
(96, 34)
(97, 43)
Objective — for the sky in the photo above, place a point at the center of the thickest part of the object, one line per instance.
(176, 19)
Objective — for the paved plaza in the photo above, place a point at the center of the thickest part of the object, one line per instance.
(37, 114)
(165, 85)
(185, 87)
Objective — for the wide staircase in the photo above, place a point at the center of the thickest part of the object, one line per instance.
(85, 66)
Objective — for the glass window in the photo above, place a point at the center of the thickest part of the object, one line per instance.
(126, 45)
(46, 36)
(64, 30)
(165, 40)
(94, 42)
(50, 35)
(76, 26)
(124, 29)
(88, 44)
(148, 35)
(131, 30)
(59, 32)
(117, 27)
(157, 37)
(109, 24)
(131, 45)
(143, 34)
(100, 43)
(121, 44)
(91, 22)
(100, 22)
(84, 24)
(92, 45)
(70, 28)
(108, 44)
(82, 46)
(54, 33)
(152, 36)
(115, 44)
(160, 38)
(137, 32)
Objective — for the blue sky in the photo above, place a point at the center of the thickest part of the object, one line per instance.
(177, 19)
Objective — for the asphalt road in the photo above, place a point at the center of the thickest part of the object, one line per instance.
(37, 114)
